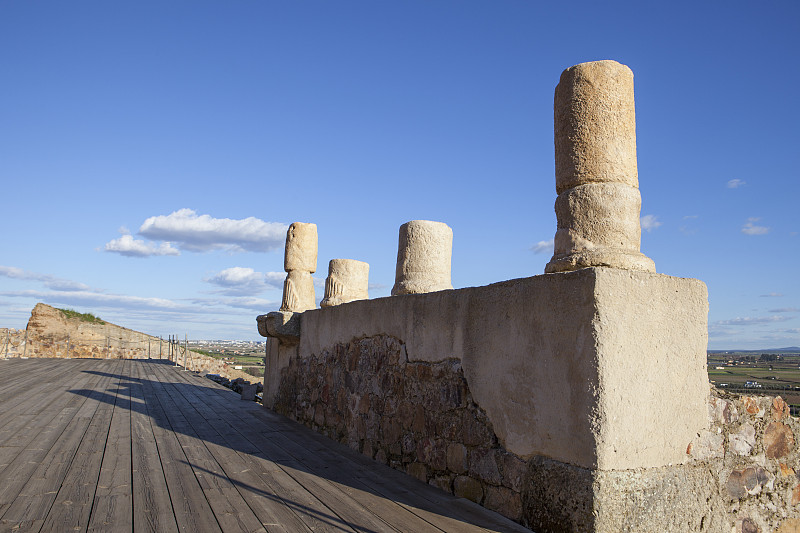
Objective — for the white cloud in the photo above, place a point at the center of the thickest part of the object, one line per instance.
(543, 247)
(51, 282)
(202, 233)
(275, 279)
(223, 317)
(785, 310)
(735, 183)
(130, 247)
(259, 305)
(650, 222)
(246, 281)
(752, 321)
(93, 298)
(772, 295)
(750, 227)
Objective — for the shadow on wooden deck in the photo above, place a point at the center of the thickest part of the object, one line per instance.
(235, 454)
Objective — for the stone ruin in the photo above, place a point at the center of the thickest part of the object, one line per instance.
(596, 176)
(577, 400)
(423, 258)
(347, 281)
(300, 261)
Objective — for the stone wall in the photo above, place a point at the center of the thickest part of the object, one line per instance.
(12, 342)
(752, 453)
(741, 474)
(419, 417)
(544, 398)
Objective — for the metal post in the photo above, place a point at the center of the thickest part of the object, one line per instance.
(67, 354)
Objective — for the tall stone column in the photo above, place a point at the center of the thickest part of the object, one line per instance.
(597, 181)
(300, 261)
(347, 280)
(423, 258)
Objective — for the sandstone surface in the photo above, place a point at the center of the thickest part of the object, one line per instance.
(423, 258)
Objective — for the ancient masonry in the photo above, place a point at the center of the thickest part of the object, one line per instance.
(577, 400)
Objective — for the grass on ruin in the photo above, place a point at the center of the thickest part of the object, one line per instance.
(85, 317)
(215, 355)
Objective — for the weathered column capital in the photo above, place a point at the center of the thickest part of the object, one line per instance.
(347, 280)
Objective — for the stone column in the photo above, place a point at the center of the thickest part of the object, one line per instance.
(597, 181)
(300, 261)
(423, 258)
(347, 280)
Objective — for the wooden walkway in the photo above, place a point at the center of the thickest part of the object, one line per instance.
(110, 445)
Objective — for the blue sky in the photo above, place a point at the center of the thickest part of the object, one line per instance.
(152, 153)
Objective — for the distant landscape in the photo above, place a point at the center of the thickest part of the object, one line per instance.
(756, 372)
(249, 355)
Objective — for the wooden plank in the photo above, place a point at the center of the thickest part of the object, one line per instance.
(231, 511)
(152, 508)
(192, 510)
(441, 509)
(26, 459)
(281, 486)
(234, 458)
(112, 509)
(73, 503)
(30, 508)
(19, 378)
(35, 401)
(357, 507)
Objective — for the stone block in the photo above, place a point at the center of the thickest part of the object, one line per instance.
(504, 501)
(483, 466)
(249, 392)
(418, 470)
(742, 441)
(778, 440)
(284, 326)
(457, 458)
(466, 487)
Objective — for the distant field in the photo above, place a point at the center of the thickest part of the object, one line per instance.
(780, 376)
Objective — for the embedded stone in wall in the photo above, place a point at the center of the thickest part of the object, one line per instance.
(347, 280)
(299, 261)
(597, 181)
(778, 440)
(423, 258)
